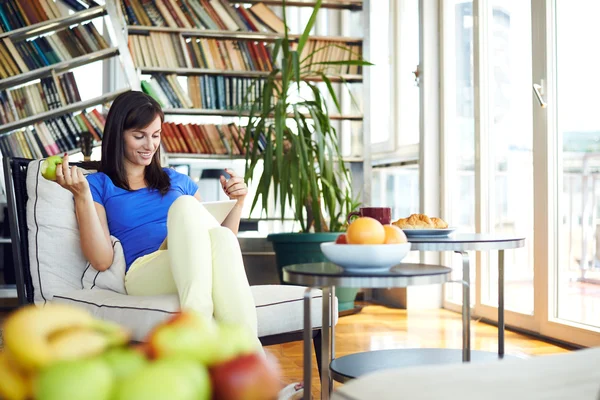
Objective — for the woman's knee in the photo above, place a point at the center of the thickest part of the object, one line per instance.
(185, 206)
(223, 239)
(184, 202)
(188, 210)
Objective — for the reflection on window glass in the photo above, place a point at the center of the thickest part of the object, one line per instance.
(510, 207)
(410, 96)
(380, 92)
(578, 83)
(459, 129)
(397, 188)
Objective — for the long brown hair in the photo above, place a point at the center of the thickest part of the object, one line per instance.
(131, 110)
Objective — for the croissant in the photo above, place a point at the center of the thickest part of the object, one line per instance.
(421, 221)
(415, 221)
(439, 223)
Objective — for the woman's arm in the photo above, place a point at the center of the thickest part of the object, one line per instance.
(233, 218)
(91, 217)
(235, 188)
(93, 230)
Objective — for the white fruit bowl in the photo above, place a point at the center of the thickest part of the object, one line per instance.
(365, 257)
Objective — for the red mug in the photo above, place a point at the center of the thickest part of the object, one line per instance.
(381, 214)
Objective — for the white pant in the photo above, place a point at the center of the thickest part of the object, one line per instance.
(203, 265)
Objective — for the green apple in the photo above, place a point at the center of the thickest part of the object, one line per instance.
(234, 341)
(124, 362)
(88, 379)
(168, 378)
(48, 167)
(187, 334)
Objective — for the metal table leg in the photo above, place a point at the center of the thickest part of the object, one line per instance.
(332, 319)
(307, 346)
(466, 308)
(501, 303)
(326, 344)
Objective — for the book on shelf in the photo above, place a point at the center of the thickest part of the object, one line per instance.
(210, 92)
(223, 139)
(35, 98)
(201, 14)
(16, 14)
(53, 136)
(317, 51)
(169, 50)
(17, 57)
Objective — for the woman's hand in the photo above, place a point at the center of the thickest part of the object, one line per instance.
(235, 188)
(71, 178)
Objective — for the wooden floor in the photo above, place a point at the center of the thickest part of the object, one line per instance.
(377, 328)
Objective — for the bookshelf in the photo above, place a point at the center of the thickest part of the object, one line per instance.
(40, 88)
(58, 67)
(233, 113)
(54, 24)
(350, 78)
(105, 98)
(135, 31)
(263, 36)
(353, 5)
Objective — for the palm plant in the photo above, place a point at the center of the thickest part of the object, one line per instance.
(294, 138)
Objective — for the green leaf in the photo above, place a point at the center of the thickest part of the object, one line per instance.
(309, 25)
(331, 92)
(296, 68)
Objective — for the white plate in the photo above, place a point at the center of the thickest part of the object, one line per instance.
(428, 233)
(365, 257)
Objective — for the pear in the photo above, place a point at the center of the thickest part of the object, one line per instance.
(88, 379)
(168, 378)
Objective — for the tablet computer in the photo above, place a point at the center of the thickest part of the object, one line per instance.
(219, 209)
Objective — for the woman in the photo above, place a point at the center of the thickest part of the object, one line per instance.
(171, 243)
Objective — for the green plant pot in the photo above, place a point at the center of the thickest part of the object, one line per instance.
(299, 248)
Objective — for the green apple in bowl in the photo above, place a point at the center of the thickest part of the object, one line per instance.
(48, 167)
(88, 379)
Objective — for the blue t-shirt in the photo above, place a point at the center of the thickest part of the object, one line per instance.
(138, 218)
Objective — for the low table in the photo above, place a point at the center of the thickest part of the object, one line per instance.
(327, 276)
(461, 244)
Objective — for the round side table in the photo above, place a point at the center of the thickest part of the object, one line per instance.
(327, 276)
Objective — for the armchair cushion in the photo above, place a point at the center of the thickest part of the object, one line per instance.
(57, 264)
(56, 259)
(279, 308)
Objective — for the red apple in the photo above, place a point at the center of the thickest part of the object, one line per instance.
(342, 239)
(248, 377)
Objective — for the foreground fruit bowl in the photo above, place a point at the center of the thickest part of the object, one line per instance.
(365, 257)
(60, 352)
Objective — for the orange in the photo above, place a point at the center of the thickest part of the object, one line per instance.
(394, 235)
(365, 230)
